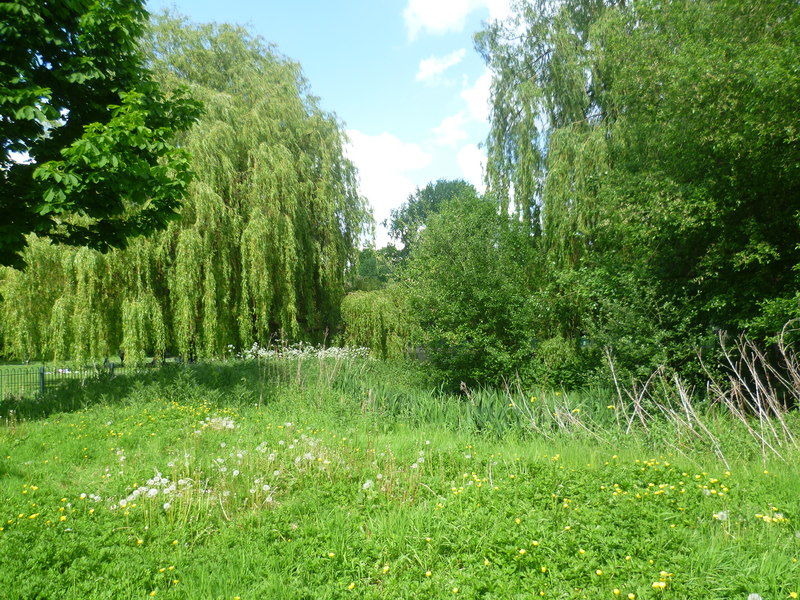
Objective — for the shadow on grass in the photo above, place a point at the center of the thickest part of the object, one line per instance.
(231, 383)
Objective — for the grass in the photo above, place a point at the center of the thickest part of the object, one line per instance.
(339, 478)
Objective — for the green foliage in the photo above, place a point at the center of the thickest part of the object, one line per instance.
(470, 276)
(656, 145)
(269, 225)
(381, 320)
(374, 268)
(408, 221)
(94, 127)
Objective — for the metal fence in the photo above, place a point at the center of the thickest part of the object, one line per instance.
(28, 382)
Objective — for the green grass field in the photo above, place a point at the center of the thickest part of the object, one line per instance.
(340, 479)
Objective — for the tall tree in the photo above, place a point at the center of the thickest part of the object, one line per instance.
(270, 222)
(85, 130)
(407, 221)
(656, 145)
(470, 281)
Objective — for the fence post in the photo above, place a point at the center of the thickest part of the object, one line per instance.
(41, 381)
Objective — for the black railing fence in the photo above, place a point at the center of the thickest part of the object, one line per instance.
(27, 382)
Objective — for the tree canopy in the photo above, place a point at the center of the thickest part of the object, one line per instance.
(269, 224)
(86, 131)
(653, 148)
(408, 220)
(470, 279)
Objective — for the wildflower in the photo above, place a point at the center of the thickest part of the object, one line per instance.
(428, 573)
(598, 572)
(351, 586)
(331, 554)
(367, 484)
(455, 590)
(522, 550)
(754, 597)
(659, 585)
(616, 592)
(632, 596)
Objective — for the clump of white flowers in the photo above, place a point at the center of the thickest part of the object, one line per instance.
(301, 350)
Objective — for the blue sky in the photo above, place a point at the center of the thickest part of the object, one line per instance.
(403, 76)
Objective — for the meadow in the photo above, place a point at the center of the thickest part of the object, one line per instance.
(337, 476)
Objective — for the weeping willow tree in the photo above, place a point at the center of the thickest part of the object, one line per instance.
(546, 146)
(259, 250)
(652, 146)
(381, 320)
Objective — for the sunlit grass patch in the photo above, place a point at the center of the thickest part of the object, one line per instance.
(189, 489)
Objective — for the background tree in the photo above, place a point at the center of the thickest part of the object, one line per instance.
(382, 320)
(410, 218)
(373, 269)
(470, 281)
(87, 157)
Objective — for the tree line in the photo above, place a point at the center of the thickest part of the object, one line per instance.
(642, 197)
(643, 194)
(257, 247)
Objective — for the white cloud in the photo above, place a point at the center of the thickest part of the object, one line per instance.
(437, 16)
(433, 66)
(440, 16)
(471, 161)
(383, 162)
(451, 131)
(499, 10)
(477, 96)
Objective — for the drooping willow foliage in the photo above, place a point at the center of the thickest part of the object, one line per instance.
(652, 147)
(381, 320)
(259, 250)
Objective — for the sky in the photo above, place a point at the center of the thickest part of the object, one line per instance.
(402, 76)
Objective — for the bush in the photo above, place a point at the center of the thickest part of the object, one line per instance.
(470, 278)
